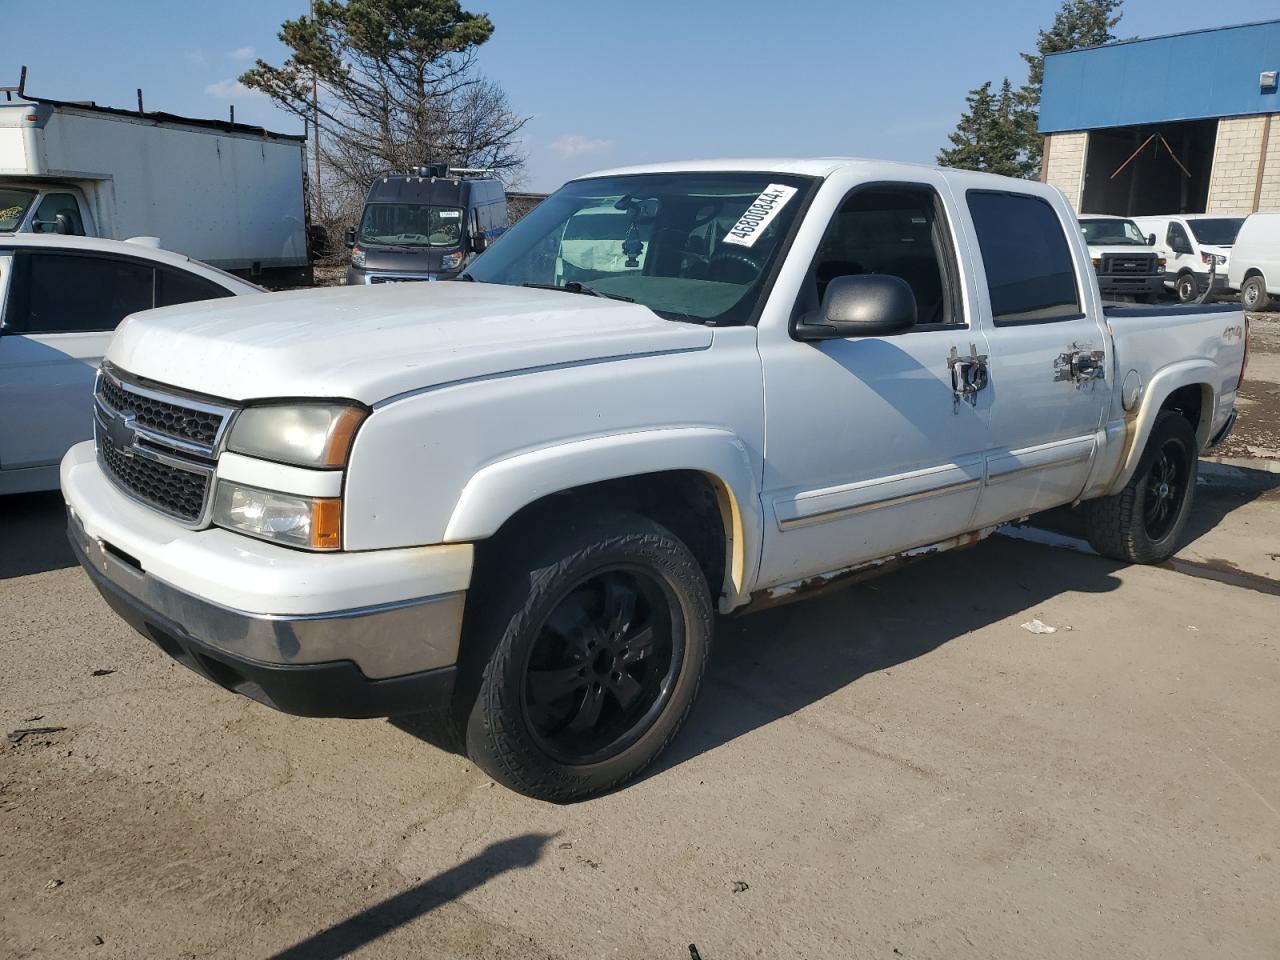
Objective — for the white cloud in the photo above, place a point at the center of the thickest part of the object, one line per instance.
(241, 53)
(576, 145)
(227, 89)
(194, 56)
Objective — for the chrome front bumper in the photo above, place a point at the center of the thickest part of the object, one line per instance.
(371, 661)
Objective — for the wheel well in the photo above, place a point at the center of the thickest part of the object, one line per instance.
(695, 506)
(1190, 402)
(1252, 272)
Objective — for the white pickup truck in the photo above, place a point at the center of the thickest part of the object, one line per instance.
(521, 497)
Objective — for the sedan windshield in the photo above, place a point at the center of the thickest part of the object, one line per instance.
(13, 207)
(690, 246)
(1219, 231)
(410, 225)
(1112, 232)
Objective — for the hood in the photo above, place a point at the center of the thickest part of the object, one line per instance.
(1121, 249)
(403, 260)
(370, 343)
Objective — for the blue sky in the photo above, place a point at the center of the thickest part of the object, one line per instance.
(610, 82)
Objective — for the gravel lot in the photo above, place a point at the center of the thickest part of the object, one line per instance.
(897, 769)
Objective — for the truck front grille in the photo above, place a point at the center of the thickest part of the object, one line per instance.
(1138, 265)
(162, 416)
(159, 448)
(180, 493)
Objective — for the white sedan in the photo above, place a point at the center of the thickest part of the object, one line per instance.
(61, 298)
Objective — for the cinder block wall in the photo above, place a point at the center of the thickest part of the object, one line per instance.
(1064, 166)
(1270, 198)
(1235, 164)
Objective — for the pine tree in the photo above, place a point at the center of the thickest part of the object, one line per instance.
(999, 132)
(1078, 24)
(986, 138)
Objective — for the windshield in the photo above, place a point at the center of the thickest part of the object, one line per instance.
(410, 225)
(690, 246)
(13, 207)
(1220, 231)
(1112, 232)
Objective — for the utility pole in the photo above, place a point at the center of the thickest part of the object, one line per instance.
(315, 119)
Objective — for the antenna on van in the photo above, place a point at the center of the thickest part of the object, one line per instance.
(20, 89)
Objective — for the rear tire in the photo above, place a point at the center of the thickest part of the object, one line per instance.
(600, 631)
(1253, 295)
(1144, 522)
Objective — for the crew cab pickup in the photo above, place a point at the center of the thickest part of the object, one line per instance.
(521, 497)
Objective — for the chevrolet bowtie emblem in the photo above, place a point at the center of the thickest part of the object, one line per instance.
(121, 431)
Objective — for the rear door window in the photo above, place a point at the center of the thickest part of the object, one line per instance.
(1030, 274)
(179, 286)
(75, 293)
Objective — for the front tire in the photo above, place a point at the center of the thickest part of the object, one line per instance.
(1253, 295)
(1144, 522)
(603, 628)
(1186, 288)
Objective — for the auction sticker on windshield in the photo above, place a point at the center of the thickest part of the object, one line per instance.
(759, 215)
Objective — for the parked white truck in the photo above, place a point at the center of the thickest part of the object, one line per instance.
(523, 501)
(225, 193)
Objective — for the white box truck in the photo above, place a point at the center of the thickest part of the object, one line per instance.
(226, 193)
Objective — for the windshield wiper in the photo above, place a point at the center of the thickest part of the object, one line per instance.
(573, 286)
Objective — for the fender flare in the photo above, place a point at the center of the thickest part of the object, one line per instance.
(1185, 373)
(500, 489)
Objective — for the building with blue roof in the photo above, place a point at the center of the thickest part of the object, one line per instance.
(1185, 123)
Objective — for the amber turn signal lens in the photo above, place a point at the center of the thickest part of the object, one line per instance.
(342, 432)
(326, 524)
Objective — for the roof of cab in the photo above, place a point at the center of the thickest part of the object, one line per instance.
(823, 167)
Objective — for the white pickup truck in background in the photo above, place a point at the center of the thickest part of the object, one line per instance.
(520, 497)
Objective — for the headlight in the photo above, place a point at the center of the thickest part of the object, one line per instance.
(313, 523)
(302, 434)
(357, 257)
(451, 261)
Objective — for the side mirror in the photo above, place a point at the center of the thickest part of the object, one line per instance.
(351, 236)
(863, 305)
(479, 243)
(1151, 239)
(63, 225)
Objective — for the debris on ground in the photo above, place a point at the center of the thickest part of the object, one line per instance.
(740, 885)
(102, 673)
(566, 845)
(1038, 626)
(98, 941)
(693, 953)
(33, 719)
(53, 885)
(17, 736)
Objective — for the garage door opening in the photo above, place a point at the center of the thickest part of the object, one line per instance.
(1137, 171)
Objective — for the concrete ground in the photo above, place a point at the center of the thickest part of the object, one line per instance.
(897, 769)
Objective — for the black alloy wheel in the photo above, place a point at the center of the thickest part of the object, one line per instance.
(603, 665)
(586, 641)
(1166, 483)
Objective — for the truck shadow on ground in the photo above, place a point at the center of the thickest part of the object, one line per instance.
(363, 928)
(33, 535)
(771, 664)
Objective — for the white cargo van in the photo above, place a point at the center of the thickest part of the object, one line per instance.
(1194, 247)
(225, 193)
(1255, 261)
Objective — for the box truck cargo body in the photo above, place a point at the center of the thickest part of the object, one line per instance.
(229, 194)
